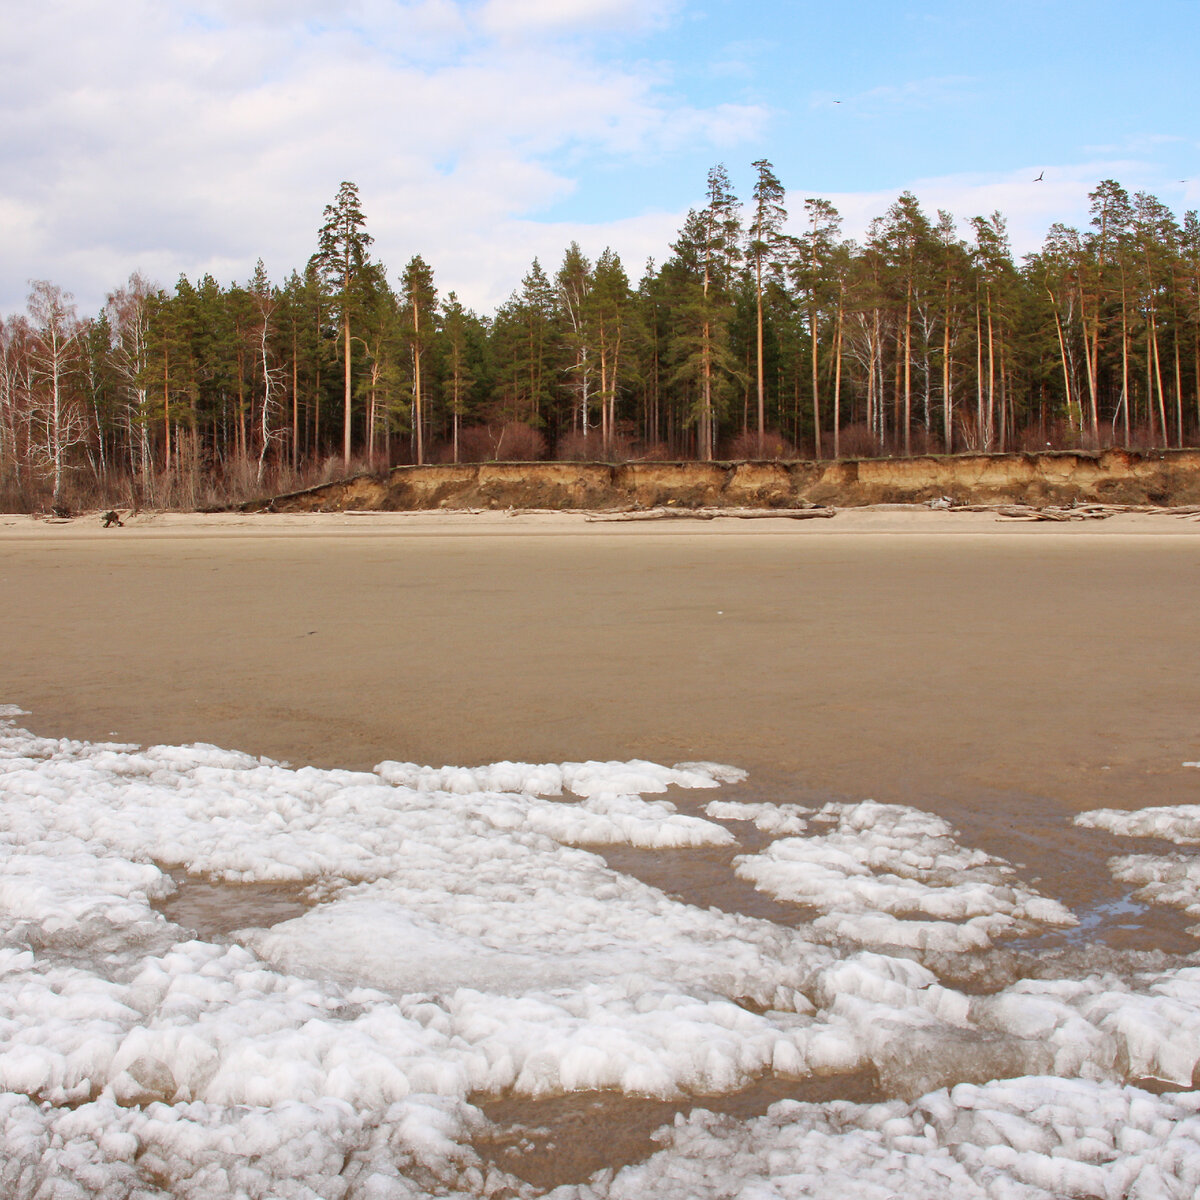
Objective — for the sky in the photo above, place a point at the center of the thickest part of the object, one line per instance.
(193, 136)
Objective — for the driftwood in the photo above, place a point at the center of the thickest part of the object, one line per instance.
(1077, 512)
(711, 514)
(401, 512)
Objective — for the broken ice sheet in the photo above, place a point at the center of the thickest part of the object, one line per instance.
(889, 875)
(459, 950)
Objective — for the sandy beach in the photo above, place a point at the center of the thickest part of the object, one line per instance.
(907, 656)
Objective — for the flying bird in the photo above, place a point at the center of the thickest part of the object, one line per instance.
(1039, 178)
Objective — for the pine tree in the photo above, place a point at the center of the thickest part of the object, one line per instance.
(765, 246)
(343, 252)
(456, 332)
(811, 268)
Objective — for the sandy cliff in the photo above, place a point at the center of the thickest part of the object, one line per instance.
(1114, 476)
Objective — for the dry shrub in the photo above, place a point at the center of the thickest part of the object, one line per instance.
(857, 441)
(744, 446)
(514, 441)
(1032, 439)
(14, 497)
(1145, 437)
(476, 444)
(925, 441)
(578, 447)
(519, 442)
(654, 452)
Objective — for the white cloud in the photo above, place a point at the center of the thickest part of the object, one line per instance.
(511, 17)
(1029, 207)
(198, 136)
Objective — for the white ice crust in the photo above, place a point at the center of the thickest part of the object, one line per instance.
(777, 819)
(1172, 879)
(461, 943)
(1008, 1140)
(889, 875)
(1179, 823)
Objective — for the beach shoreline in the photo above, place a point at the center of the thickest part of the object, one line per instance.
(891, 519)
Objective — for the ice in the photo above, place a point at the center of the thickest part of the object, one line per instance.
(1172, 879)
(461, 943)
(552, 779)
(1042, 1138)
(324, 1151)
(1179, 823)
(890, 875)
(1162, 879)
(776, 819)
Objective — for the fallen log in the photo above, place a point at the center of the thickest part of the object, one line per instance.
(712, 514)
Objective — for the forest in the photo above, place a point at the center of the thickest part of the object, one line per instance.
(746, 342)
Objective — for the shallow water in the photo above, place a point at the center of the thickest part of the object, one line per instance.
(214, 910)
(566, 1139)
(833, 670)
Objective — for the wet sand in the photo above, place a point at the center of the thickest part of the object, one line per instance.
(938, 659)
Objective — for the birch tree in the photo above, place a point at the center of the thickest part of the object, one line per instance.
(59, 422)
(420, 301)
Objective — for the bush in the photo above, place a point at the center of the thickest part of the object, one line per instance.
(744, 446)
(857, 441)
(578, 447)
(514, 441)
(519, 442)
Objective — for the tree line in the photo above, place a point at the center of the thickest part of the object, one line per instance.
(748, 341)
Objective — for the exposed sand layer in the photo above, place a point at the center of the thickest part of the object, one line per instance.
(1160, 477)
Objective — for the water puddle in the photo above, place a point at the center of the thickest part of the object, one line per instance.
(560, 1140)
(215, 909)
(704, 876)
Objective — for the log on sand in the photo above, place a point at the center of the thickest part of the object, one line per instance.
(711, 514)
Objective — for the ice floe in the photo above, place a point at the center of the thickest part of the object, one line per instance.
(1171, 879)
(1009, 1140)
(461, 942)
(890, 875)
(780, 820)
(1179, 823)
(1162, 879)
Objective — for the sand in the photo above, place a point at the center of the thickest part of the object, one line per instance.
(1002, 673)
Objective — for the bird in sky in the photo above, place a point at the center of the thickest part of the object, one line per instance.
(1039, 178)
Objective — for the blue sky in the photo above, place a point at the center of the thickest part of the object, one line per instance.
(198, 135)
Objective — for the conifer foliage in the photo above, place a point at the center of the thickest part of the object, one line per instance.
(755, 337)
